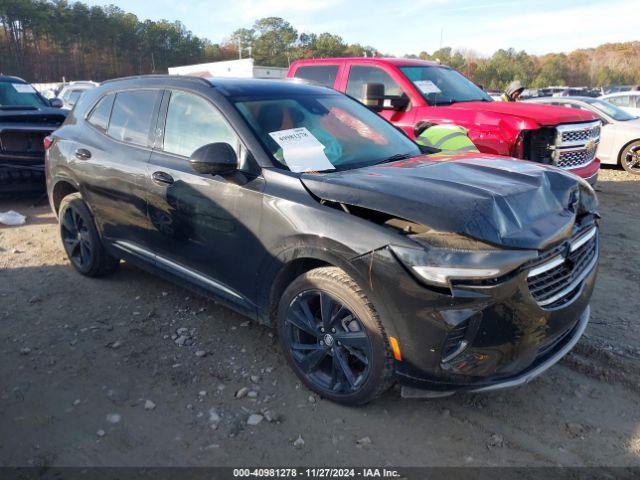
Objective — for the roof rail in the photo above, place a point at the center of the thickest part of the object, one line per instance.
(157, 75)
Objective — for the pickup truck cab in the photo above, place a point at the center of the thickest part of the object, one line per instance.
(410, 92)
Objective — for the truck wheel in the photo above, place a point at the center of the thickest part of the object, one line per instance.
(81, 240)
(332, 337)
(630, 158)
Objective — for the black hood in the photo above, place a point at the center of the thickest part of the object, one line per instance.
(43, 114)
(505, 202)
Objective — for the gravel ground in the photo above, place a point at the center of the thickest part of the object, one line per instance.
(131, 370)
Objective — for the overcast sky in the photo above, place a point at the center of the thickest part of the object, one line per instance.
(410, 26)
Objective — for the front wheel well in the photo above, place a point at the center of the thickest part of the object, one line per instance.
(61, 190)
(287, 274)
(625, 146)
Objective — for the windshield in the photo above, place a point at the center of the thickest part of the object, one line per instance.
(609, 109)
(306, 132)
(444, 86)
(19, 95)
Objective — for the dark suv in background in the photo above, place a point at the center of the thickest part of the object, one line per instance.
(304, 210)
(26, 119)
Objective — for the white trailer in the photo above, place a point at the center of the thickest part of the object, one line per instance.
(243, 68)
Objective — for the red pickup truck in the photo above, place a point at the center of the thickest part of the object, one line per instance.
(410, 92)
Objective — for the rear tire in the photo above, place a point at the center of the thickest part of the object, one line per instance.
(343, 355)
(81, 240)
(630, 157)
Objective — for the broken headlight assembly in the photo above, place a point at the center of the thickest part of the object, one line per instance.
(450, 258)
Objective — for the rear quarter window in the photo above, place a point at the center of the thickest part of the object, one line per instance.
(99, 116)
(324, 75)
(132, 116)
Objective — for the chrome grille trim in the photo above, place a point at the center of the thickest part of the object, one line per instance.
(557, 260)
(576, 144)
(578, 242)
(572, 286)
(556, 280)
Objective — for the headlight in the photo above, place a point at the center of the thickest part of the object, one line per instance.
(442, 276)
(440, 266)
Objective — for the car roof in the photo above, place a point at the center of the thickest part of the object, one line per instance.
(622, 94)
(252, 86)
(10, 79)
(400, 62)
(225, 85)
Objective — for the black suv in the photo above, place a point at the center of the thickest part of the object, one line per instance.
(304, 210)
(26, 118)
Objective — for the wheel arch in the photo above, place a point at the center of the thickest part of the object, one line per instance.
(293, 262)
(61, 189)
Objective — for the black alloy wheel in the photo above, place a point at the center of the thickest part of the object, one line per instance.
(328, 342)
(81, 240)
(76, 238)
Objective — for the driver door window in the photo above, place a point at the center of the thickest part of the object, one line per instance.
(193, 122)
(359, 75)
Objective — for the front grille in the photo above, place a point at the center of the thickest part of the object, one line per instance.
(582, 135)
(557, 279)
(21, 142)
(575, 158)
(576, 144)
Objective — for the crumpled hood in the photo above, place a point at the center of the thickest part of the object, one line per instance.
(506, 202)
(544, 115)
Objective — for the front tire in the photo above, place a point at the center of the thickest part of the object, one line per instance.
(332, 337)
(630, 158)
(81, 240)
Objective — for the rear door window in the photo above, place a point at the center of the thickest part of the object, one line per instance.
(99, 117)
(132, 116)
(193, 122)
(324, 75)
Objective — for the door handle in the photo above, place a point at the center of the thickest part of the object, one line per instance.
(162, 177)
(83, 154)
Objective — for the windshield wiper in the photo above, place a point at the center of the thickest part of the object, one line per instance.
(395, 158)
(444, 102)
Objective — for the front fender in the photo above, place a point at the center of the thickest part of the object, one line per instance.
(304, 247)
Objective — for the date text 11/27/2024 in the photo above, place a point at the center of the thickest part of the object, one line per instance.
(315, 473)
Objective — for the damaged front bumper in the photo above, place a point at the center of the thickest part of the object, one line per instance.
(563, 347)
(481, 335)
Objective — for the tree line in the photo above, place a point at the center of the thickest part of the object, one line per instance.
(44, 40)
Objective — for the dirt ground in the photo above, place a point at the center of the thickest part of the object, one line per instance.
(92, 373)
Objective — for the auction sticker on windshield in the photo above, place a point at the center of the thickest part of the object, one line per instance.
(301, 150)
(427, 86)
(23, 88)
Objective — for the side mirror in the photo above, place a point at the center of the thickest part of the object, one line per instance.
(56, 103)
(373, 95)
(214, 159)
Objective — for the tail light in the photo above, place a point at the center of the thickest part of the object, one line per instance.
(48, 141)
